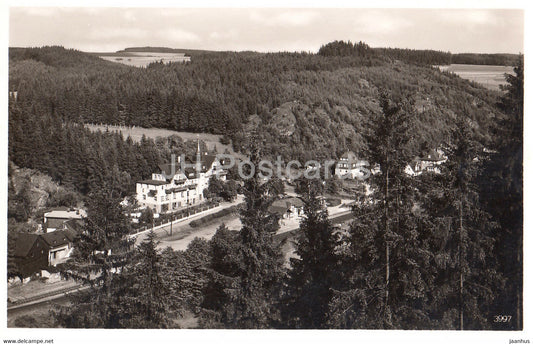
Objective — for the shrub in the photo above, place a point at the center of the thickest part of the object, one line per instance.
(211, 217)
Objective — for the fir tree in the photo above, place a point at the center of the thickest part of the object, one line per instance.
(248, 295)
(225, 266)
(471, 280)
(501, 190)
(314, 272)
(383, 271)
(101, 251)
(144, 298)
(256, 297)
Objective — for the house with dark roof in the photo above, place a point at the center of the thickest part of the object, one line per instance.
(427, 162)
(54, 219)
(176, 187)
(59, 246)
(31, 254)
(36, 252)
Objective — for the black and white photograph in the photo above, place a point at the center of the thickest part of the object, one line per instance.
(329, 166)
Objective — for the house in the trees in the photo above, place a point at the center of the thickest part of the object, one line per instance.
(36, 252)
(55, 219)
(30, 254)
(175, 188)
(429, 162)
(287, 207)
(59, 246)
(349, 165)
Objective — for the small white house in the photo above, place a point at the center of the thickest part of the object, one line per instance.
(54, 220)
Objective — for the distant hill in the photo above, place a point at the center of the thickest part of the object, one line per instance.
(486, 59)
(422, 57)
(188, 52)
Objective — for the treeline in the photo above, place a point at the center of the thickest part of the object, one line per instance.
(218, 92)
(486, 59)
(415, 56)
(422, 57)
(85, 160)
(77, 158)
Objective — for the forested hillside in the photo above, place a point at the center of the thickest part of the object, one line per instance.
(420, 57)
(219, 92)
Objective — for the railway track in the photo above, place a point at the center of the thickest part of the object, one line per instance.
(43, 297)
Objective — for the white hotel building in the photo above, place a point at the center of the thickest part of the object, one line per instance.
(174, 189)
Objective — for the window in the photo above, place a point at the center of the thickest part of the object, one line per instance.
(144, 197)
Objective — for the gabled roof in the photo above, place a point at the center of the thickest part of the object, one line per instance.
(275, 209)
(56, 238)
(349, 155)
(71, 234)
(75, 226)
(433, 155)
(281, 206)
(24, 243)
(206, 162)
(168, 170)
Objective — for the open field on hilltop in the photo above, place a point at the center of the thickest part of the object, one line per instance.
(143, 59)
(490, 77)
(136, 133)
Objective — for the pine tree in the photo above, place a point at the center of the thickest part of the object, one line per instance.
(144, 298)
(384, 268)
(472, 281)
(100, 254)
(247, 296)
(225, 266)
(314, 272)
(256, 296)
(501, 190)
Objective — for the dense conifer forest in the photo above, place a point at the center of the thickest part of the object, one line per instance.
(326, 100)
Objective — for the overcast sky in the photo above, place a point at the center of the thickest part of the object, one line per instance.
(111, 29)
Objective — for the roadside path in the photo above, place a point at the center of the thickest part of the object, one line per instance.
(182, 224)
(180, 242)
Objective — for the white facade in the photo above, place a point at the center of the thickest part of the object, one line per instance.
(429, 163)
(54, 219)
(173, 189)
(350, 165)
(59, 254)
